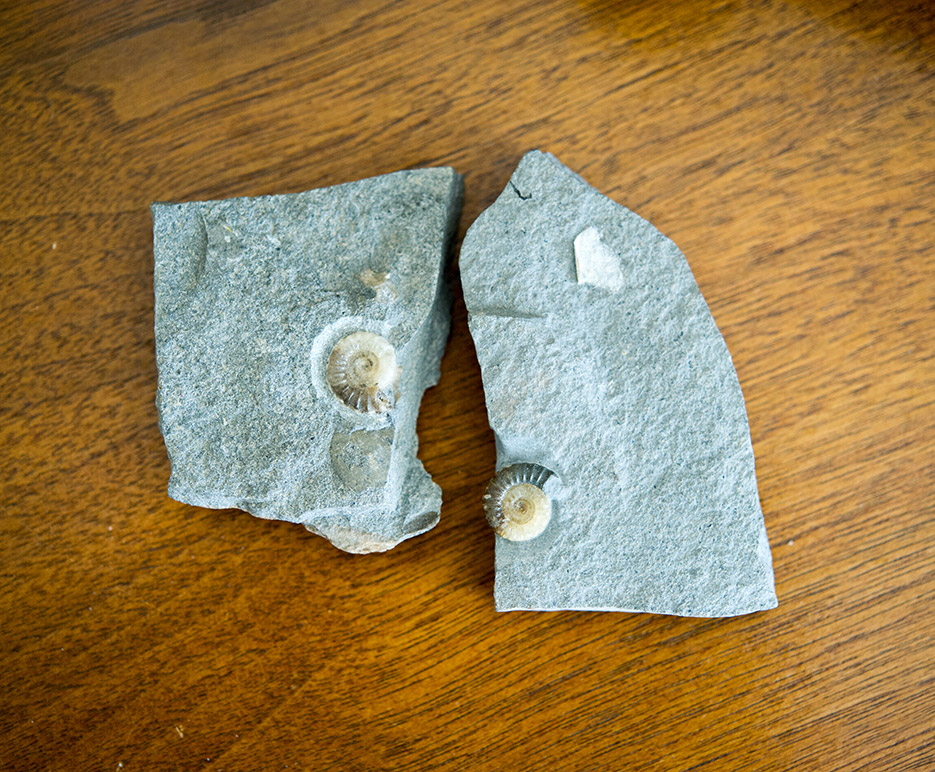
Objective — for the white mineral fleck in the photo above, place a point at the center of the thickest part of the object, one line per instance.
(595, 262)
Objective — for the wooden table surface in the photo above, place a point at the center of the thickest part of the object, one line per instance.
(787, 147)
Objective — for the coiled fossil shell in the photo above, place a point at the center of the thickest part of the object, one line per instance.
(362, 371)
(516, 506)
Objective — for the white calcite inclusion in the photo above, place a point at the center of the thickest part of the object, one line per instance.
(595, 262)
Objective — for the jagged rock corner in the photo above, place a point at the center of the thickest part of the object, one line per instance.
(602, 363)
(252, 296)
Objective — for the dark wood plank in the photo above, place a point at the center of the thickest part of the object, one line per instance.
(787, 147)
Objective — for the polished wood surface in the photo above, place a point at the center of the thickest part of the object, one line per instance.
(787, 147)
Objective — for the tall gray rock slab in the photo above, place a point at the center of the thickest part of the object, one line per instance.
(602, 363)
(252, 294)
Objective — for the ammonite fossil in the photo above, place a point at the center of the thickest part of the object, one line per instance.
(516, 506)
(362, 371)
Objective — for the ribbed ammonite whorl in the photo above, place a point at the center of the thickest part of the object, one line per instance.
(362, 371)
(516, 506)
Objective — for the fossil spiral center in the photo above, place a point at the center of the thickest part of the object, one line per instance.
(522, 501)
(363, 369)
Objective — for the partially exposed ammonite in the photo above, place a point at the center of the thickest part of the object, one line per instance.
(362, 371)
(516, 506)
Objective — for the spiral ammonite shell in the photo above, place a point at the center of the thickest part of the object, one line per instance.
(516, 506)
(362, 371)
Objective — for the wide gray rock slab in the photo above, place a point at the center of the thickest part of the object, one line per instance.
(252, 295)
(602, 363)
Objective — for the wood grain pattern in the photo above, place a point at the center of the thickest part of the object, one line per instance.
(787, 147)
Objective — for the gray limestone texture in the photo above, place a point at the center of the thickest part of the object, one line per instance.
(602, 363)
(252, 294)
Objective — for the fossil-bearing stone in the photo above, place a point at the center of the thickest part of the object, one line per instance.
(252, 297)
(612, 374)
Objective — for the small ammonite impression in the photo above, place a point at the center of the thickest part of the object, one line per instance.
(362, 371)
(516, 506)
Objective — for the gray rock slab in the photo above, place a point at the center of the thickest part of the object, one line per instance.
(251, 296)
(612, 373)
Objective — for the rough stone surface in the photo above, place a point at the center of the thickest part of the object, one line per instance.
(628, 395)
(251, 296)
